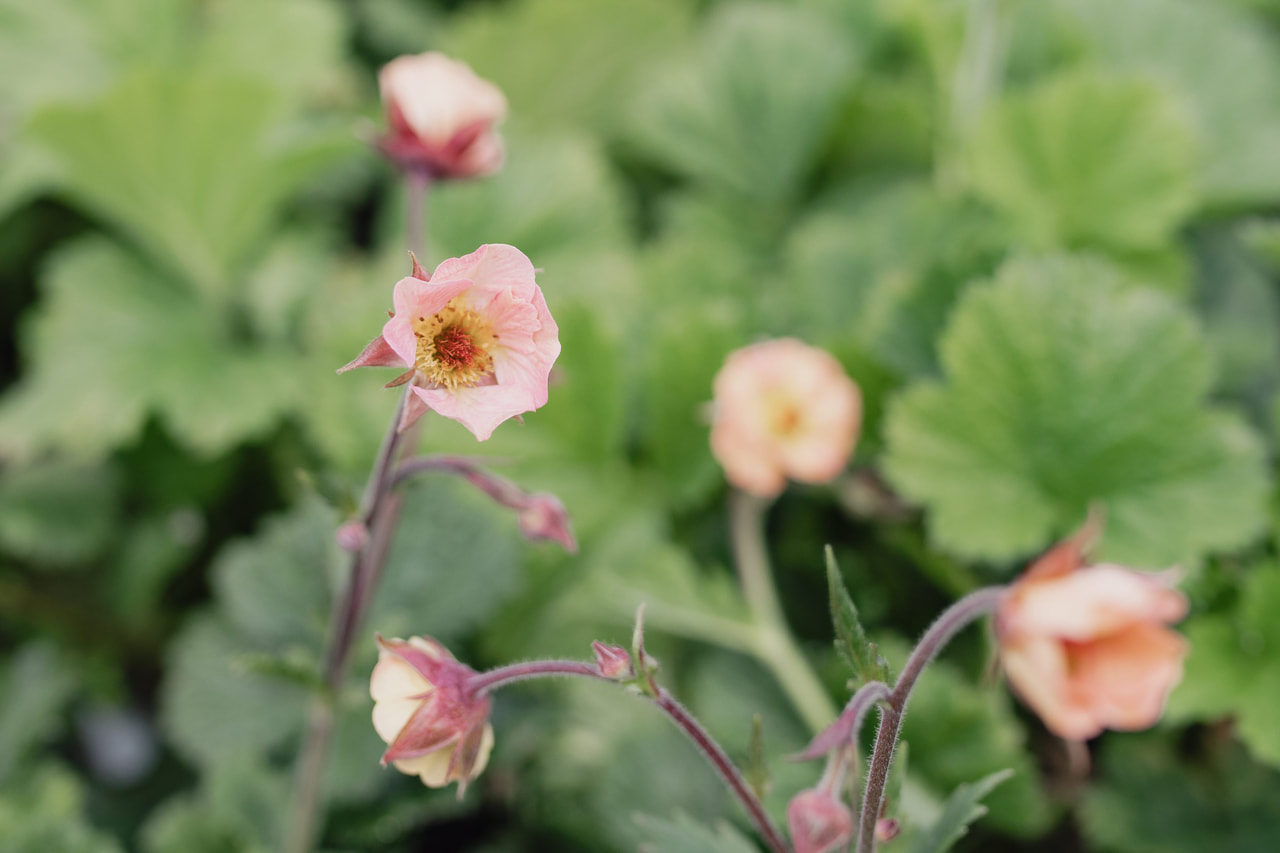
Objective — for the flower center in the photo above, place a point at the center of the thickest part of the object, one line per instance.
(453, 347)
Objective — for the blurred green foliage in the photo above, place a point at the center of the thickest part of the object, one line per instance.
(1040, 235)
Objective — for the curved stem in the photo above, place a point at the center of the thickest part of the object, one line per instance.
(702, 739)
(504, 675)
(773, 643)
(726, 769)
(953, 619)
(379, 511)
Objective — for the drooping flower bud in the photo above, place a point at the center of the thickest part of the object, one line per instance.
(818, 822)
(1086, 647)
(476, 338)
(614, 661)
(441, 117)
(543, 518)
(783, 410)
(434, 727)
(887, 828)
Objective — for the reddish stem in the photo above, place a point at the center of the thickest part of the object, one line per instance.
(953, 619)
(714, 753)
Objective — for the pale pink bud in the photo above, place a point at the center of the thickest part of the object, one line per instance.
(613, 661)
(1086, 647)
(441, 117)
(352, 536)
(783, 410)
(887, 829)
(542, 517)
(434, 727)
(818, 822)
(476, 339)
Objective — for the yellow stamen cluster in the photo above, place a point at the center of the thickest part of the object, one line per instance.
(454, 347)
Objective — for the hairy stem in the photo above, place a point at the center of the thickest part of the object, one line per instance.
(379, 511)
(953, 619)
(773, 643)
(702, 739)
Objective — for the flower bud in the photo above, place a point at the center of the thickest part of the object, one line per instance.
(542, 517)
(887, 829)
(783, 410)
(818, 822)
(434, 727)
(614, 662)
(1086, 647)
(352, 536)
(441, 117)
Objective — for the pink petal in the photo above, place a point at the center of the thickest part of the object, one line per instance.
(1127, 676)
(1091, 602)
(492, 265)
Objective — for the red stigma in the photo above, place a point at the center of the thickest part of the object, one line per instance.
(454, 348)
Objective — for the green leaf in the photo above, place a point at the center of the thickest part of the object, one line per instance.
(194, 166)
(1232, 671)
(683, 834)
(1151, 800)
(213, 710)
(750, 114)
(859, 654)
(454, 560)
(114, 342)
(38, 684)
(275, 588)
(603, 47)
(294, 46)
(47, 813)
(1224, 67)
(895, 260)
(58, 515)
(1064, 388)
(962, 808)
(1082, 160)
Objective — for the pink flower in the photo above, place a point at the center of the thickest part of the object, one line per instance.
(783, 410)
(476, 336)
(818, 822)
(441, 117)
(1086, 646)
(433, 727)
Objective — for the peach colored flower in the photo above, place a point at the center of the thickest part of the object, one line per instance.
(783, 410)
(433, 727)
(1086, 647)
(476, 336)
(818, 822)
(441, 117)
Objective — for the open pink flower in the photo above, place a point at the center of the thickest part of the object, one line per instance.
(433, 727)
(783, 410)
(1086, 646)
(476, 336)
(818, 822)
(441, 117)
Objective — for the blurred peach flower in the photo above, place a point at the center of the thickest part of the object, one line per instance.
(782, 410)
(1086, 647)
(441, 117)
(433, 727)
(476, 336)
(818, 822)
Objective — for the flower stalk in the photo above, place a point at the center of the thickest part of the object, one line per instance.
(379, 512)
(772, 641)
(973, 606)
(681, 718)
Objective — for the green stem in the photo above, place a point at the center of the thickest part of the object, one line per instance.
(773, 643)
